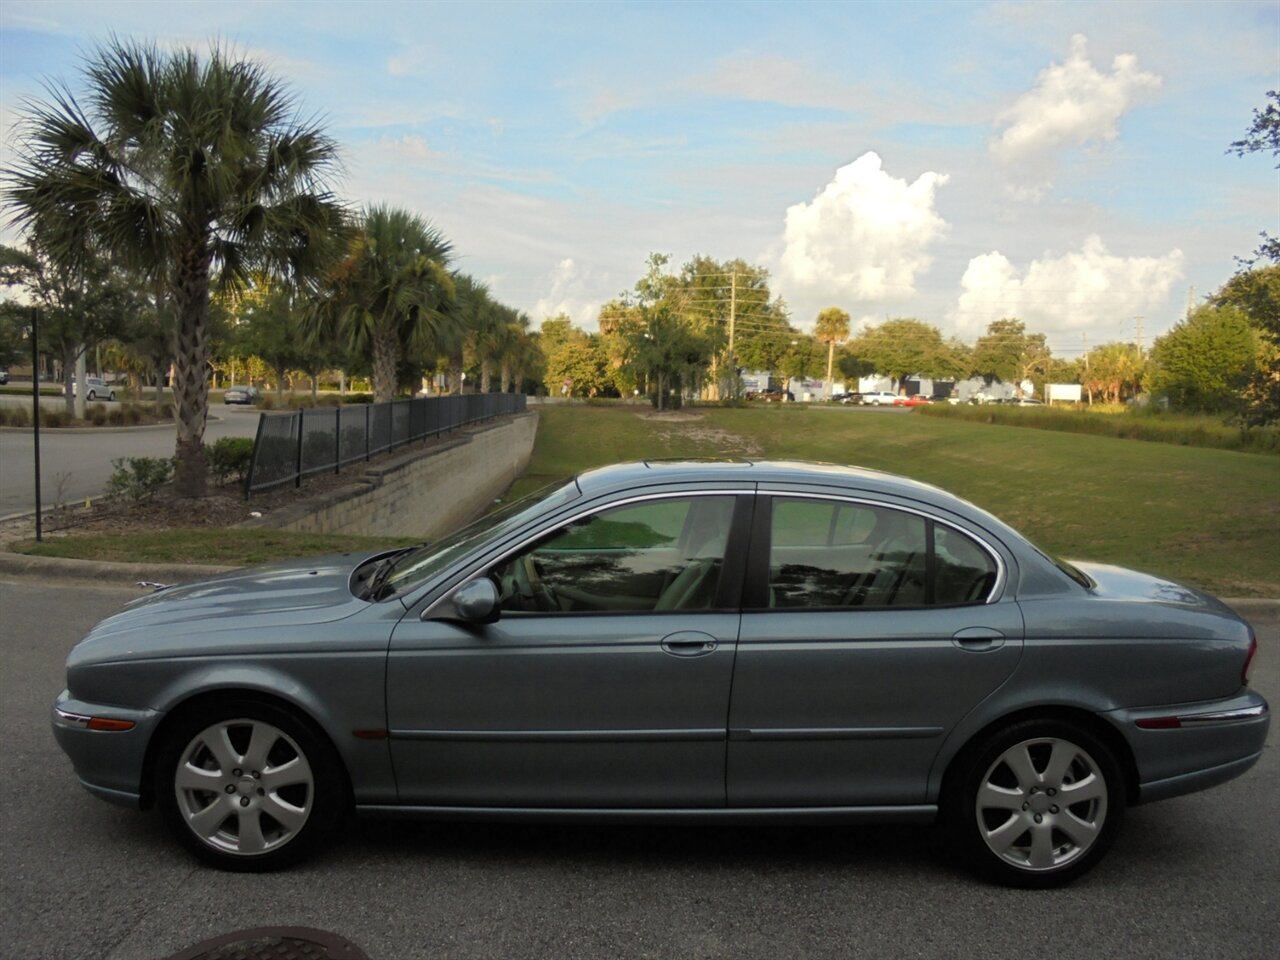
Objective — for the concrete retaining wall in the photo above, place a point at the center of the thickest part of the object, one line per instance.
(424, 493)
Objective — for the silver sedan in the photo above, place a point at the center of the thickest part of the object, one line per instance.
(710, 642)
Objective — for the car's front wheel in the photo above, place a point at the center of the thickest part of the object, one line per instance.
(248, 786)
(1036, 804)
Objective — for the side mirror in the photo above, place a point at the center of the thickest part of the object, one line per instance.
(476, 602)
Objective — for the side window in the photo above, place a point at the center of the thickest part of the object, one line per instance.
(827, 554)
(824, 553)
(965, 573)
(662, 554)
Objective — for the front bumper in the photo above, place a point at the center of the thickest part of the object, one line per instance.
(109, 763)
(1212, 742)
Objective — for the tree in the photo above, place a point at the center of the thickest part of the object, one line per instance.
(270, 328)
(1205, 362)
(831, 328)
(190, 170)
(1263, 135)
(1114, 370)
(1009, 354)
(78, 306)
(1256, 293)
(391, 295)
(904, 346)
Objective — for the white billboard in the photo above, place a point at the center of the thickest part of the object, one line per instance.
(1066, 392)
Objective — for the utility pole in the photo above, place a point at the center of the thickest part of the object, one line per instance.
(1137, 324)
(733, 313)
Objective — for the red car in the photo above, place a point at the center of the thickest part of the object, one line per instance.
(916, 401)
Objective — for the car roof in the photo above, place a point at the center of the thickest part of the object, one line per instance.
(654, 472)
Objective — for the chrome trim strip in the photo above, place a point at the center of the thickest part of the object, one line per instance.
(1242, 715)
(906, 813)
(561, 736)
(836, 733)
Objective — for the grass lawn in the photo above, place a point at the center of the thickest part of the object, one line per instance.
(225, 547)
(1206, 517)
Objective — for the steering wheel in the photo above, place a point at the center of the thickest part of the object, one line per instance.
(534, 592)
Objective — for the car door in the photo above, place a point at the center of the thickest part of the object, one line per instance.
(604, 682)
(869, 632)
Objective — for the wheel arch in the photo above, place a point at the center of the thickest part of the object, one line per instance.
(204, 700)
(1087, 720)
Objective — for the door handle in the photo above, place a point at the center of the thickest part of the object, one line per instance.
(978, 639)
(689, 643)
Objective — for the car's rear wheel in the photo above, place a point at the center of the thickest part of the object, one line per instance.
(248, 786)
(91, 396)
(1036, 805)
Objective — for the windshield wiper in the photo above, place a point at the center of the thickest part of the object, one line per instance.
(378, 579)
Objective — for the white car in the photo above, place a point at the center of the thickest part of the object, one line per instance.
(95, 389)
(879, 398)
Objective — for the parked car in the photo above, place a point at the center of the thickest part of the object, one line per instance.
(849, 398)
(4, 377)
(880, 398)
(917, 400)
(775, 395)
(246, 395)
(703, 641)
(95, 389)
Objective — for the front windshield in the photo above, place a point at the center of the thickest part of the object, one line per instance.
(429, 559)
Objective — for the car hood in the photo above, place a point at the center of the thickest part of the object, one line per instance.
(292, 593)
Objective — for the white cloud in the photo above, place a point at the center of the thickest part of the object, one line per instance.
(864, 235)
(409, 147)
(1071, 104)
(569, 284)
(1087, 289)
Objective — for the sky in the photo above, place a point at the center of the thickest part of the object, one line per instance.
(1065, 164)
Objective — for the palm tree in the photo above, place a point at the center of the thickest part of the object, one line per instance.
(191, 171)
(832, 328)
(392, 294)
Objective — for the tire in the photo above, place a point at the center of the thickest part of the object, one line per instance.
(111, 396)
(248, 786)
(1004, 812)
(91, 396)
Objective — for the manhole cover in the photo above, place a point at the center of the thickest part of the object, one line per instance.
(274, 943)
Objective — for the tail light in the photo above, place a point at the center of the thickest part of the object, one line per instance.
(1248, 660)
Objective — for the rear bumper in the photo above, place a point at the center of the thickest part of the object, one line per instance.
(1204, 744)
(109, 763)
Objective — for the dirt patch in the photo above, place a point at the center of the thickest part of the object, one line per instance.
(714, 441)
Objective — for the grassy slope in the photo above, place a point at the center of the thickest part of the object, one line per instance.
(1207, 517)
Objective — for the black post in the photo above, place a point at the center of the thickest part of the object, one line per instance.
(337, 440)
(35, 408)
(297, 476)
(253, 458)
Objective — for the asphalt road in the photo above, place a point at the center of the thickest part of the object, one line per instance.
(75, 464)
(1193, 877)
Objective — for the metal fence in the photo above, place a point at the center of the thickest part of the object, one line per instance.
(290, 446)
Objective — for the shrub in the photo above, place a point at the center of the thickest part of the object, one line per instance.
(97, 414)
(54, 418)
(138, 478)
(133, 414)
(228, 456)
(358, 398)
(267, 402)
(116, 416)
